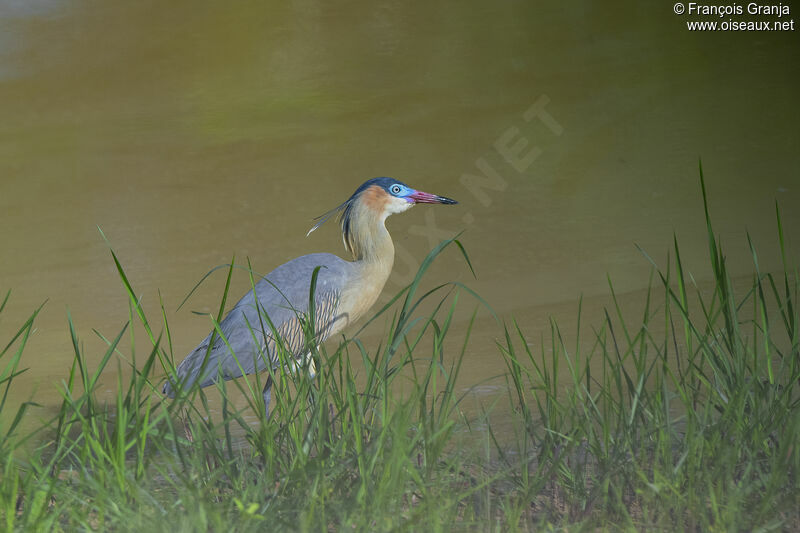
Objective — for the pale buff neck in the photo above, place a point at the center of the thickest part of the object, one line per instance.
(369, 240)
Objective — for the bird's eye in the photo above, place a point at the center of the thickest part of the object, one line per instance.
(395, 189)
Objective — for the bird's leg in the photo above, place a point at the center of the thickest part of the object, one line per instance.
(312, 368)
(308, 361)
(267, 394)
(293, 367)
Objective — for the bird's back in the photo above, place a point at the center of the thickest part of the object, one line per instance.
(283, 297)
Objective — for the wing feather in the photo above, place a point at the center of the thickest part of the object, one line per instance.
(282, 297)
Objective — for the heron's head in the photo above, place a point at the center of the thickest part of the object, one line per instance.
(387, 196)
(380, 197)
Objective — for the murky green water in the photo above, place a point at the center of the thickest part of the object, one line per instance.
(192, 131)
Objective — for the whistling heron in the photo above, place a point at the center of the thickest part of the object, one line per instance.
(344, 291)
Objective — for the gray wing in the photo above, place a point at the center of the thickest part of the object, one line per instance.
(282, 296)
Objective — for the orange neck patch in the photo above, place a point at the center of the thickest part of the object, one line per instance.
(374, 198)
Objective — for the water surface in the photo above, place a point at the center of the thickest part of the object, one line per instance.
(193, 131)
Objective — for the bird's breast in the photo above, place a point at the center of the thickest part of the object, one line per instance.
(363, 290)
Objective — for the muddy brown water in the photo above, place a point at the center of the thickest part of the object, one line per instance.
(192, 131)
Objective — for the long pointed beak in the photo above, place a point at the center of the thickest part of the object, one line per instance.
(428, 198)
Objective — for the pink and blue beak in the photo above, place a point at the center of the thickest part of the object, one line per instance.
(420, 197)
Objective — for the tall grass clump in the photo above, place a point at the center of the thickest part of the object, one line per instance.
(685, 418)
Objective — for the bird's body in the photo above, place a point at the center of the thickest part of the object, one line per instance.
(344, 291)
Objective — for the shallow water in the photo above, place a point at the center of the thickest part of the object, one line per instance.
(192, 131)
